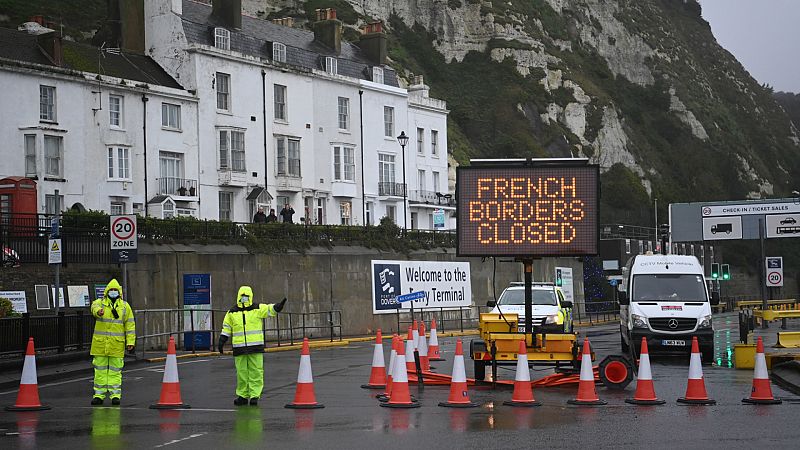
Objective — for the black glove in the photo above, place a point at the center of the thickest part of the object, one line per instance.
(279, 306)
(222, 340)
(132, 351)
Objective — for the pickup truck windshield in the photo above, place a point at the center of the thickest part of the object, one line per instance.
(517, 297)
(671, 288)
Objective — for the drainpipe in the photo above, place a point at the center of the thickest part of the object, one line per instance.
(144, 136)
(264, 117)
(361, 119)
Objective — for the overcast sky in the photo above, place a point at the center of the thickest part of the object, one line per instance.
(764, 35)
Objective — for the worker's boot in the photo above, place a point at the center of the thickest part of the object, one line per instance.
(253, 402)
(115, 401)
(240, 401)
(97, 401)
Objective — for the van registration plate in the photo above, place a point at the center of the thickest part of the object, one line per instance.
(673, 343)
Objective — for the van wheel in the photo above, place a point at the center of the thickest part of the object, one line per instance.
(623, 344)
(480, 370)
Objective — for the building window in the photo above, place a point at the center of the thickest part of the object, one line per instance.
(54, 156)
(171, 116)
(420, 140)
(344, 163)
(330, 65)
(51, 206)
(385, 168)
(436, 182)
(377, 75)
(115, 110)
(368, 210)
(222, 38)
(414, 221)
(344, 113)
(388, 121)
(434, 143)
(278, 52)
(171, 174)
(288, 150)
(223, 91)
(421, 175)
(225, 206)
(345, 211)
(119, 163)
(280, 102)
(231, 150)
(47, 103)
(320, 211)
(391, 213)
(30, 155)
(117, 208)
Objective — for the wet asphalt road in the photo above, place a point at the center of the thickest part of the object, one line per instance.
(352, 418)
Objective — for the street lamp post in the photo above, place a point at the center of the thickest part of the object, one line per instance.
(403, 140)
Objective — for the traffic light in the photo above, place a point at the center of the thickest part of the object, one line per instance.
(726, 272)
(715, 271)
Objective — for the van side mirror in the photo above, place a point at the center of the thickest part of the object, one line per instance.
(491, 303)
(622, 297)
(566, 304)
(714, 298)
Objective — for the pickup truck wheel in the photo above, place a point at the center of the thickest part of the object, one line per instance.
(480, 370)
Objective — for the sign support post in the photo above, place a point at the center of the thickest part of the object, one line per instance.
(762, 273)
(55, 244)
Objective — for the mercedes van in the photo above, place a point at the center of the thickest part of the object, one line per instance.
(664, 298)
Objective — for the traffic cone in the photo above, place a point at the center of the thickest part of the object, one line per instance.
(459, 397)
(392, 362)
(696, 387)
(28, 395)
(645, 391)
(762, 391)
(170, 386)
(400, 396)
(523, 391)
(423, 350)
(433, 344)
(415, 333)
(411, 366)
(304, 397)
(587, 394)
(377, 377)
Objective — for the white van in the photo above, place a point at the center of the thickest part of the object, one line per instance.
(664, 298)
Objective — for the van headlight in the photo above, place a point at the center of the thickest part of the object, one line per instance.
(705, 322)
(552, 318)
(638, 321)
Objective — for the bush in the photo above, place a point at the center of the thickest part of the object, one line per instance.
(7, 309)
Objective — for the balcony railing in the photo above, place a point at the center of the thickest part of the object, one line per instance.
(431, 198)
(177, 186)
(391, 189)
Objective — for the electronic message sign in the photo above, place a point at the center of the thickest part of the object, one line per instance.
(525, 209)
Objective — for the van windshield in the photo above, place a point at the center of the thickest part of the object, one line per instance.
(672, 288)
(517, 297)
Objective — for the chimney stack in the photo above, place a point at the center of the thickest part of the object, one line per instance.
(228, 12)
(50, 43)
(328, 29)
(129, 28)
(373, 43)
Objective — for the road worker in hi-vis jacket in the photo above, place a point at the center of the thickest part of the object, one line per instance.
(243, 324)
(114, 331)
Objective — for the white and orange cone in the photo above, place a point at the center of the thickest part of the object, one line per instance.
(377, 376)
(170, 385)
(645, 390)
(523, 391)
(415, 333)
(392, 362)
(304, 397)
(400, 397)
(459, 396)
(433, 345)
(587, 394)
(761, 393)
(411, 366)
(423, 350)
(28, 395)
(696, 387)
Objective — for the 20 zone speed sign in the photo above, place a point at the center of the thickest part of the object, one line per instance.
(123, 238)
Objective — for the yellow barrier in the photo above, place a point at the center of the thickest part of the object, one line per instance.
(774, 315)
(788, 339)
(771, 304)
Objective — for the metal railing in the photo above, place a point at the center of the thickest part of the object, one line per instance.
(391, 189)
(447, 319)
(621, 231)
(431, 197)
(177, 186)
(58, 333)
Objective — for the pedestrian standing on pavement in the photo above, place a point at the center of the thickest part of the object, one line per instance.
(114, 332)
(272, 217)
(243, 324)
(287, 212)
(259, 216)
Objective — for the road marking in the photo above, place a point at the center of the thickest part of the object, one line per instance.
(191, 436)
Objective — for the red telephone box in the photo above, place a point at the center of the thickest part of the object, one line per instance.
(18, 200)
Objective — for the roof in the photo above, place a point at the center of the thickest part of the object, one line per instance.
(20, 46)
(257, 35)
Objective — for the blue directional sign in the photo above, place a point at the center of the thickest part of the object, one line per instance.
(411, 296)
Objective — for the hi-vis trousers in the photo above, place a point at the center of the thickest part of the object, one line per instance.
(108, 376)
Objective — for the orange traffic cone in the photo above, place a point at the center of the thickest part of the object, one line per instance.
(645, 391)
(523, 391)
(696, 387)
(762, 391)
(392, 362)
(28, 395)
(304, 397)
(423, 349)
(587, 394)
(433, 345)
(377, 377)
(459, 396)
(170, 386)
(415, 333)
(400, 396)
(411, 366)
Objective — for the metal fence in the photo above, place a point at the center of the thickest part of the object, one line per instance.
(58, 333)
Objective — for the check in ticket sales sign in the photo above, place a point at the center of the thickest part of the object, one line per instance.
(528, 208)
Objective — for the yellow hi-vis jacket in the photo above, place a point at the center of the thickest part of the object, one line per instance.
(112, 334)
(243, 323)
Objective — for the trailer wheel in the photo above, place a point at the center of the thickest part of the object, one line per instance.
(616, 372)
